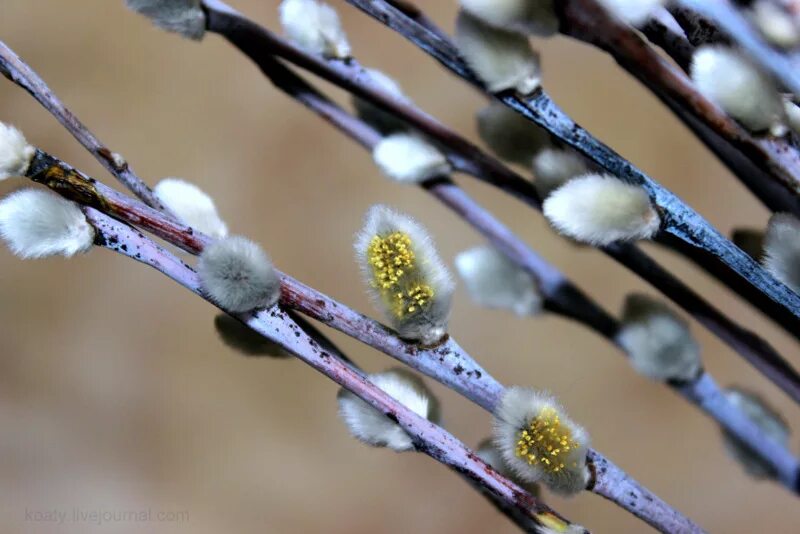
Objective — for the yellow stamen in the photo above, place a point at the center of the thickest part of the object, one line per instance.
(395, 274)
(545, 442)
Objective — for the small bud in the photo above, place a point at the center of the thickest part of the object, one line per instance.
(539, 442)
(314, 26)
(535, 17)
(770, 423)
(374, 428)
(601, 209)
(487, 452)
(405, 276)
(501, 59)
(553, 167)
(732, 82)
(408, 158)
(749, 240)
(781, 255)
(191, 205)
(658, 342)
(237, 274)
(241, 338)
(494, 281)
(385, 122)
(633, 12)
(185, 17)
(775, 24)
(37, 224)
(15, 153)
(509, 135)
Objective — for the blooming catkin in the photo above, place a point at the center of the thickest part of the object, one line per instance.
(409, 158)
(781, 255)
(539, 442)
(494, 281)
(373, 427)
(314, 26)
(731, 81)
(770, 423)
(191, 205)
(404, 274)
(238, 275)
(37, 224)
(535, 17)
(658, 342)
(185, 17)
(601, 209)
(15, 152)
(509, 135)
(501, 59)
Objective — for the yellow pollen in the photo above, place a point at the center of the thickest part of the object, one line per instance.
(394, 273)
(545, 442)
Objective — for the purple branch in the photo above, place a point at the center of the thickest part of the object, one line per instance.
(277, 325)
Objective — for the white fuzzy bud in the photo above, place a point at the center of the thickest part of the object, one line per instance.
(185, 17)
(731, 81)
(539, 442)
(792, 111)
(509, 135)
(379, 119)
(750, 241)
(494, 281)
(775, 24)
(553, 167)
(406, 278)
(238, 275)
(314, 26)
(244, 339)
(658, 342)
(15, 152)
(770, 423)
(376, 429)
(535, 17)
(191, 205)
(634, 12)
(501, 59)
(601, 209)
(781, 255)
(408, 158)
(37, 224)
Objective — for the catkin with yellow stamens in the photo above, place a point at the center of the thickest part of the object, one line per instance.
(404, 274)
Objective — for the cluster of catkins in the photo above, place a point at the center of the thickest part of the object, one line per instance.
(534, 441)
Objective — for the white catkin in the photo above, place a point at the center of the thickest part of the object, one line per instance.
(501, 59)
(731, 81)
(374, 428)
(509, 135)
(185, 17)
(314, 26)
(634, 12)
(553, 167)
(37, 224)
(658, 342)
(518, 412)
(15, 152)
(191, 205)
(601, 209)
(775, 24)
(781, 255)
(408, 158)
(494, 281)
(535, 17)
(238, 275)
(385, 122)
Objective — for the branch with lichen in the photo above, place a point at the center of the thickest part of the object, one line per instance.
(258, 44)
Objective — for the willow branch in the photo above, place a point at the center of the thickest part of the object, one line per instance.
(560, 294)
(663, 30)
(446, 363)
(258, 44)
(704, 244)
(276, 325)
(16, 70)
(769, 167)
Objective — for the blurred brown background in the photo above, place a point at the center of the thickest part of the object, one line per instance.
(115, 393)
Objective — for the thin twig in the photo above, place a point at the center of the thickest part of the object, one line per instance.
(663, 30)
(21, 74)
(258, 44)
(446, 363)
(277, 325)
